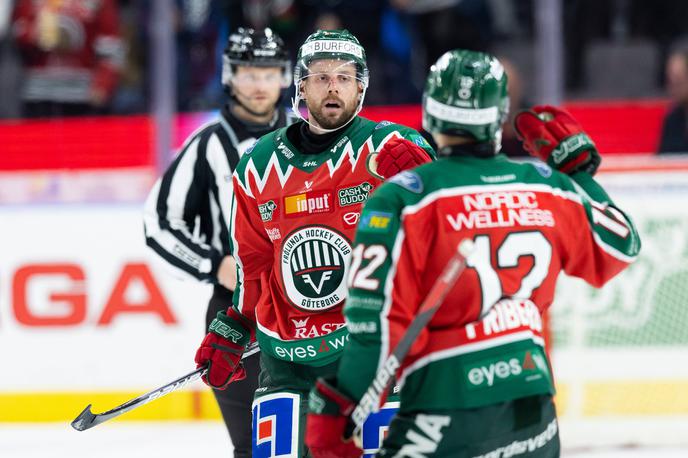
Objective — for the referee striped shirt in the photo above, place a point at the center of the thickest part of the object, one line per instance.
(186, 213)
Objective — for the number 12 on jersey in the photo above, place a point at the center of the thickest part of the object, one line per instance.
(366, 260)
(514, 246)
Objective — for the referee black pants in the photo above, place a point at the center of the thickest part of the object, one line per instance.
(235, 401)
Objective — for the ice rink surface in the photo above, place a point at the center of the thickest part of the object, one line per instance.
(182, 440)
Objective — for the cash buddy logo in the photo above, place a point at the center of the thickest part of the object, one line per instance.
(354, 195)
(308, 203)
(266, 210)
(314, 263)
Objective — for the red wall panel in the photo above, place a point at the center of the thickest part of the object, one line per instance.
(126, 141)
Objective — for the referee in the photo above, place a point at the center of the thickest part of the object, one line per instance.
(187, 211)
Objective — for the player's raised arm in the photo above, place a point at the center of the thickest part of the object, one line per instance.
(611, 241)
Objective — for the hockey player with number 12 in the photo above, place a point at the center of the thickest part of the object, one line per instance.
(477, 381)
(297, 200)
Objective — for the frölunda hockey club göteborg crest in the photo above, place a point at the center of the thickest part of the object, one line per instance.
(314, 261)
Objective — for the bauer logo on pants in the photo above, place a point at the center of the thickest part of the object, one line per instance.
(314, 261)
(276, 426)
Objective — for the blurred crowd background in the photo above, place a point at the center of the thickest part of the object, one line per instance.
(67, 57)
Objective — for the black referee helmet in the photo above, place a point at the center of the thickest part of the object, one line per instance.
(255, 48)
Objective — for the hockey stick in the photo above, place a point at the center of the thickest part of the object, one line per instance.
(452, 270)
(88, 419)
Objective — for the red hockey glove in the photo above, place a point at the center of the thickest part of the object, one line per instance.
(328, 426)
(399, 154)
(554, 136)
(222, 348)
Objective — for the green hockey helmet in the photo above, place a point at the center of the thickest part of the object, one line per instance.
(465, 95)
(337, 45)
(331, 44)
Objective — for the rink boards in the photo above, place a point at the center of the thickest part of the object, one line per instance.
(88, 316)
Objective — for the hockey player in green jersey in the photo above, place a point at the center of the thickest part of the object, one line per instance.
(298, 195)
(477, 381)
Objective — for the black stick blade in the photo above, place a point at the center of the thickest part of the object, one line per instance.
(88, 419)
(84, 420)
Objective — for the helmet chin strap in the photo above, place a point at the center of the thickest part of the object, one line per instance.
(296, 100)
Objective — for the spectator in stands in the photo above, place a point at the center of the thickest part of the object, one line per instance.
(198, 29)
(674, 138)
(71, 52)
(10, 67)
(132, 94)
(511, 145)
(447, 24)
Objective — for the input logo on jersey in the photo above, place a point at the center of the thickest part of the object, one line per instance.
(354, 194)
(375, 221)
(314, 263)
(275, 425)
(267, 210)
(308, 203)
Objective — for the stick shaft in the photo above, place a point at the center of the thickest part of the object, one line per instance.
(385, 374)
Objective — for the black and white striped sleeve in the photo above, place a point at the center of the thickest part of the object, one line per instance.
(173, 211)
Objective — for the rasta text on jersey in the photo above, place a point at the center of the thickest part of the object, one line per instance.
(314, 263)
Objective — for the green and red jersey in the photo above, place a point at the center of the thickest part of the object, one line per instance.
(292, 225)
(484, 345)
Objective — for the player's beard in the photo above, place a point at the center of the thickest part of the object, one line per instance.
(263, 107)
(329, 122)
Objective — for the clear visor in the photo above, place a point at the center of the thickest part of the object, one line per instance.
(326, 73)
(229, 74)
(330, 70)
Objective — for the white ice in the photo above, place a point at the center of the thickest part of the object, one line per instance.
(181, 440)
(116, 440)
